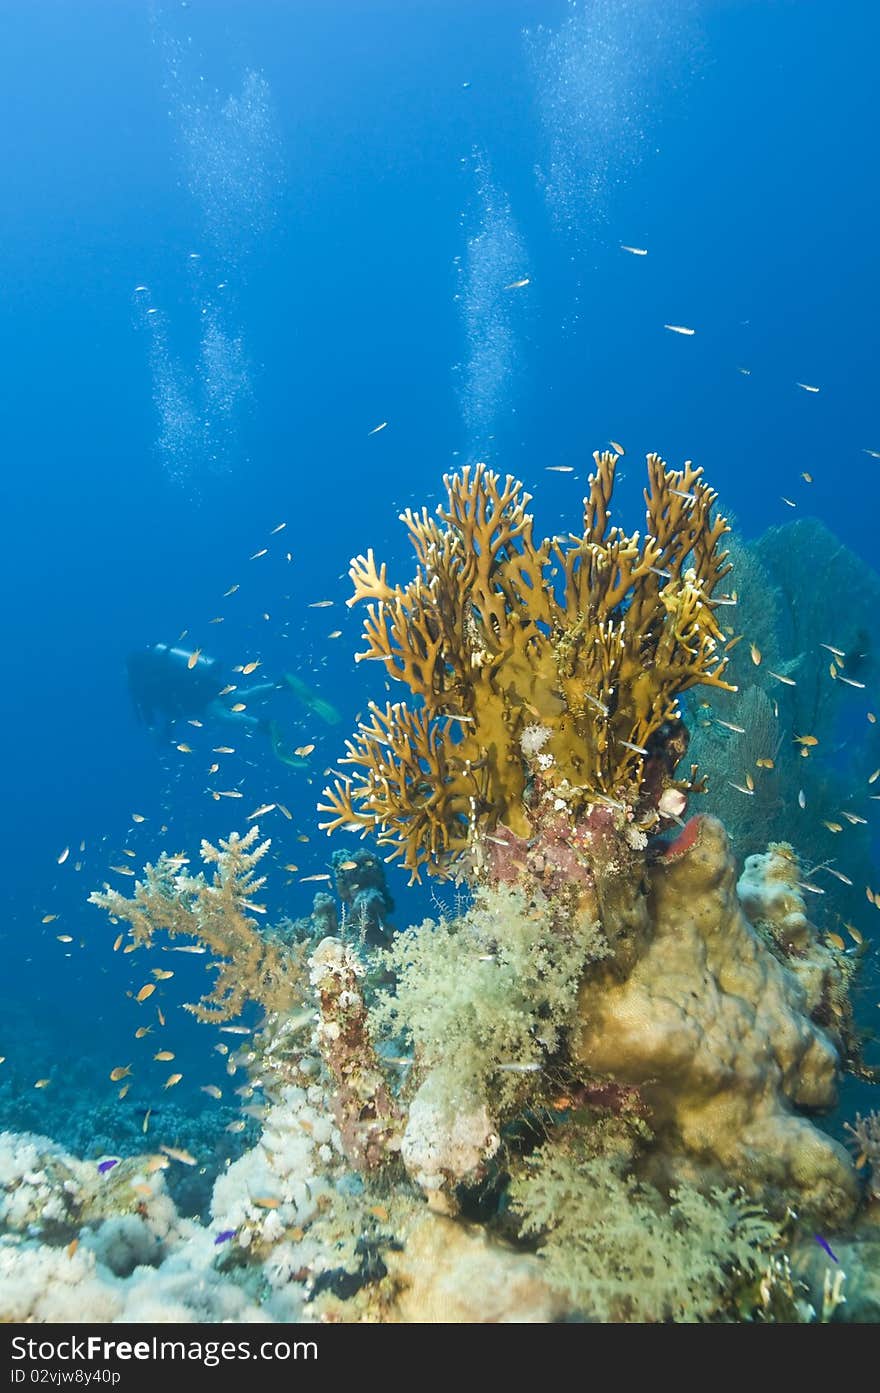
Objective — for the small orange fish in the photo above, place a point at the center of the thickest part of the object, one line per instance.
(72, 1247)
(164, 1055)
(177, 1154)
(238, 706)
(184, 748)
(160, 1015)
(146, 991)
(48, 918)
(251, 667)
(123, 1090)
(193, 658)
(171, 1080)
(122, 1071)
(142, 1030)
(303, 750)
(42, 1083)
(161, 973)
(756, 654)
(266, 1202)
(837, 941)
(808, 740)
(64, 938)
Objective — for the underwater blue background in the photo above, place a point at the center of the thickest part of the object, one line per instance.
(325, 202)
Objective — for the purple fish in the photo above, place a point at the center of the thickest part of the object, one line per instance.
(823, 1244)
(106, 1166)
(224, 1237)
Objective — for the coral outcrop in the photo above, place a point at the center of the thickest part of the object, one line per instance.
(592, 1092)
(716, 1033)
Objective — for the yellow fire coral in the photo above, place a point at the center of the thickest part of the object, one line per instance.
(561, 659)
(250, 966)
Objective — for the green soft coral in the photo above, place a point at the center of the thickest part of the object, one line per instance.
(621, 1252)
(486, 998)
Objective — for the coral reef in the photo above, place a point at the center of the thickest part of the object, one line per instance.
(593, 636)
(591, 1094)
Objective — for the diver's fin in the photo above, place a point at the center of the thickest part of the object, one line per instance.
(293, 761)
(317, 704)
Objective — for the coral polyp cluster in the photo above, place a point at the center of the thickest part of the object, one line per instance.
(562, 658)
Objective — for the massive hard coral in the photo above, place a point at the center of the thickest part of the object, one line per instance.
(561, 659)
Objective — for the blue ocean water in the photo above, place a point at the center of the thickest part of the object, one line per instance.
(238, 238)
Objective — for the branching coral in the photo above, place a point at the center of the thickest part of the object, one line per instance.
(593, 635)
(251, 966)
(865, 1134)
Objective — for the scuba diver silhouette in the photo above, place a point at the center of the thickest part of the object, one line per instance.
(170, 684)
